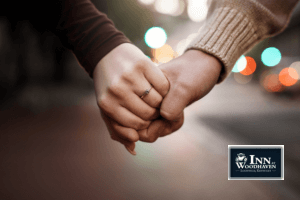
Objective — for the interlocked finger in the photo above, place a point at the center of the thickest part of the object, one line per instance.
(153, 99)
(112, 108)
(140, 108)
(124, 135)
(148, 93)
(157, 79)
(172, 126)
(153, 132)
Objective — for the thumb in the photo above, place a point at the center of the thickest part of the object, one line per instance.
(177, 98)
(174, 103)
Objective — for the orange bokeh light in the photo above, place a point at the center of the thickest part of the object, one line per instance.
(250, 67)
(163, 54)
(288, 76)
(272, 84)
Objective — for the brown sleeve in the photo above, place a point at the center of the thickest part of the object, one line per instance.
(88, 33)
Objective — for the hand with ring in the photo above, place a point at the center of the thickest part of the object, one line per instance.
(146, 92)
(129, 89)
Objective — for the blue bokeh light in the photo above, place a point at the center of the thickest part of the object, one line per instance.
(271, 56)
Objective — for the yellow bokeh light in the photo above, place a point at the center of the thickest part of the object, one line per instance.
(163, 54)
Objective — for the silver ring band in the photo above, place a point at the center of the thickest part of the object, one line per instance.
(146, 92)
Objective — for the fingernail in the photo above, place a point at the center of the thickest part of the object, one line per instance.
(131, 151)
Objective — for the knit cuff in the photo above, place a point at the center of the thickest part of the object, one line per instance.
(226, 35)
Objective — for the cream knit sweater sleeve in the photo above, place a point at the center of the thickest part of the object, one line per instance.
(233, 27)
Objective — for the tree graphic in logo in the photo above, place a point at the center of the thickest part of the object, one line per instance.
(241, 160)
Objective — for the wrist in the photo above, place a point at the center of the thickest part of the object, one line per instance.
(121, 54)
(212, 62)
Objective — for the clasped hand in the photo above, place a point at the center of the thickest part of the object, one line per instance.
(123, 75)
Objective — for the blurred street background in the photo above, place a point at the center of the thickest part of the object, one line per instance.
(54, 144)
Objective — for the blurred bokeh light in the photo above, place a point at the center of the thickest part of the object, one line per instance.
(146, 2)
(155, 37)
(271, 82)
(296, 66)
(288, 76)
(167, 6)
(242, 79)
(181, 46)
(240, 64)
(55, 144)
(163, 54)
(271, 56)
(180, 9)
(197, 10)
(250, 66)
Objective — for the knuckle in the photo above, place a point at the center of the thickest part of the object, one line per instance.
(166, 132)
(106, 105)
(136, 126)
(103, 102)
(151, 138)
(148, 137)
(141, 125)
(167, 115)
(141, 65)
(128, 76)
(114, 89)
(165, 87)
(170, 116)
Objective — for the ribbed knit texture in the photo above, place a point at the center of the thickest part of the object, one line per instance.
(233, 27)
(224, 38)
